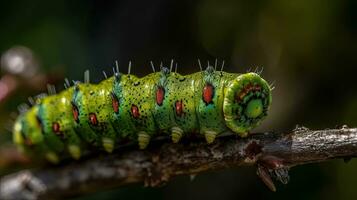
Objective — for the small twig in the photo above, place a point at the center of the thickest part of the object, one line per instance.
(273, 155)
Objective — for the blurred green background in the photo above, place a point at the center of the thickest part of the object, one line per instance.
(307, 48)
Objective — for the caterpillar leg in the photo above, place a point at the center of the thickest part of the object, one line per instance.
(108, 144)
(143, 139)
(176, 134)
(243, 134)
(52, 157)
(75, 151)
(210, 136)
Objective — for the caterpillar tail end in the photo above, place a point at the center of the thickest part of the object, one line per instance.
(143, 139)
(176, 134)
(52, 157)
(210, 136)
(75, 151)
(108, 144)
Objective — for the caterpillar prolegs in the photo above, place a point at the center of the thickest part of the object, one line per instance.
(125, 107)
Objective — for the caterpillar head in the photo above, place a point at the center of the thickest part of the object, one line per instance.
(246, 102)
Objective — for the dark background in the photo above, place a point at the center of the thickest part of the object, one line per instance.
(307, 48)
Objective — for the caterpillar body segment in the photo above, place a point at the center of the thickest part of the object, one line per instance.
(93, 113)
(125, 107)
(175, 111)
(56, 121)
(210, 88)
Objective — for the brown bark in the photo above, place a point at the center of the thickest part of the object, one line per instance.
(272, 154)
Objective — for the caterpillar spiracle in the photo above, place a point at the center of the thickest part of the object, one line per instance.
(125, 107)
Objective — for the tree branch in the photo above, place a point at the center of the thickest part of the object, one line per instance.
(272, 154)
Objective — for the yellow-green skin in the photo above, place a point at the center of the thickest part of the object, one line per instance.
(125, 107)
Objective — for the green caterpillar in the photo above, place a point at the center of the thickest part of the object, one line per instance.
(125, 107)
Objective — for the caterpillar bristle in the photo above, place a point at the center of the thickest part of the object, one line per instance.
(256, 69)
(171, 65)
(165, 70)
(104, 74)
(22, 108)
(215, 64)
(176, 68)
(199, 64)
(272, 85)
(222, 66)
(39, 97)
(51, 90)
(129, 67)
(76, 85)
(31, 101)
(66, 83)
(116, 67)
(86, 77)
(117, 77)
(210, 69)
(114, 72)
(152, 66)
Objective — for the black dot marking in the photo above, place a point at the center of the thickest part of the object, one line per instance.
(182, 79)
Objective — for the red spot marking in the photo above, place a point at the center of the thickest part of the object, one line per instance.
(248, 87)
(179, 107)
(55, 127)
(115, 103)
(245, 91)
(75, 113)
(257, 87)
(207, 94)
(160, 93)
(93, 119)
(240, 96)
(135, 111)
